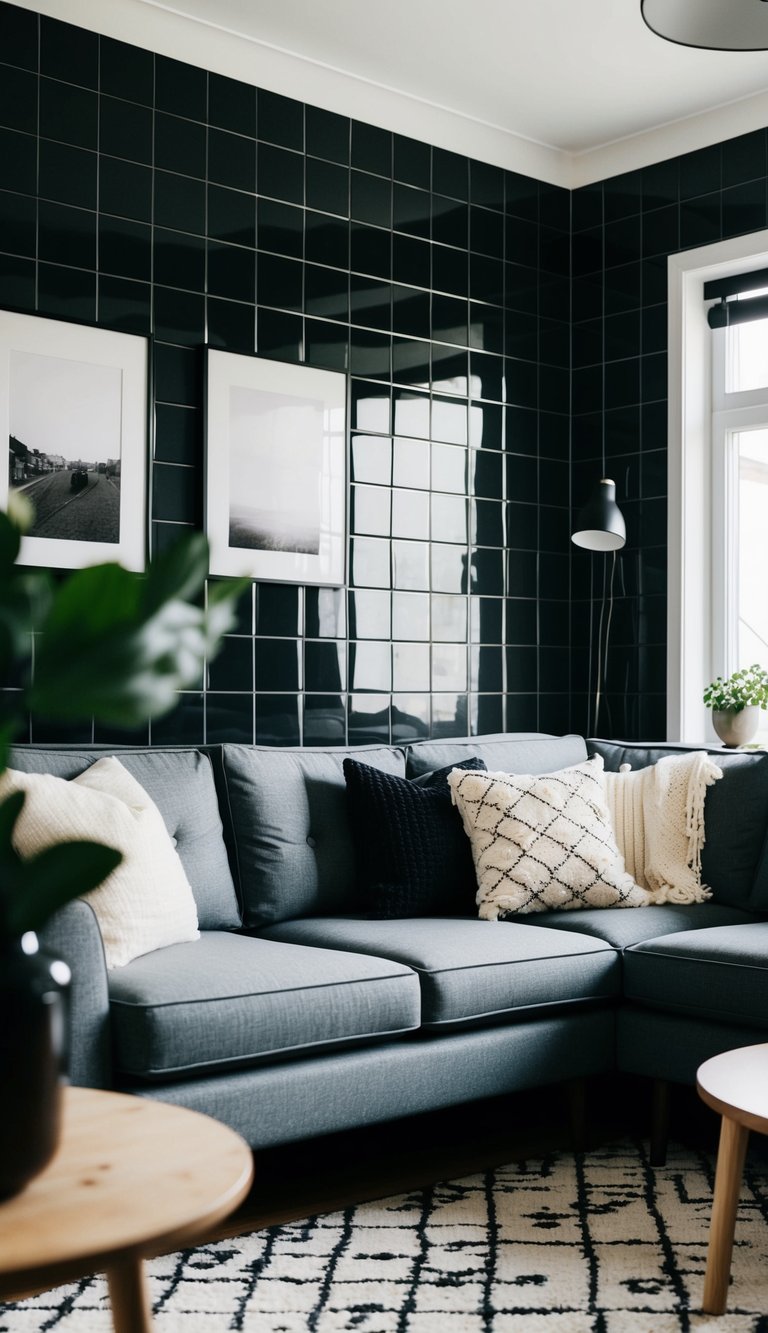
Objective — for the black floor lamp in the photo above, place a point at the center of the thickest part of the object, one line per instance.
(600, 527)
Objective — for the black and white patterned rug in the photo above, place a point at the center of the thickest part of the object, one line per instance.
(600, 1243)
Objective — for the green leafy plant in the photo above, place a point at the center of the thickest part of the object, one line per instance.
(106, 644)
(744, 688)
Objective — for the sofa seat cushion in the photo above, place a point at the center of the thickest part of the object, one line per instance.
(719, 974)
(621, 928)
(473, 970)
(228, 1000)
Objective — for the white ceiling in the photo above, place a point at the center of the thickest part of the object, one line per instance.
(571, 74)
(570, 90)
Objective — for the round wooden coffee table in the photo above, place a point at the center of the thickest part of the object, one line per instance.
(131, 1178)
(735, 1084)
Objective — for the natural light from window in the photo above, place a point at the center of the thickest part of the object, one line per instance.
(746, 370)
(752, 447)
(747, 360)
(717, 473)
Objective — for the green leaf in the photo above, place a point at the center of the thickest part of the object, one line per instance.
(179, 572)
(220, 616)
(747, 686)
(93, 601)
(24, 599)
(131, 674)
(119, 648)
(229, 590)
(53, 878)
(7, 729)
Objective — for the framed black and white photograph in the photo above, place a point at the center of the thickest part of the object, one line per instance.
(275, 469)
(73, 401)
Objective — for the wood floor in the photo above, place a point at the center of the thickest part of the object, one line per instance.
(322, 1175)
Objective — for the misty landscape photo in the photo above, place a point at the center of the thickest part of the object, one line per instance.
(65, 445)
(276, 468)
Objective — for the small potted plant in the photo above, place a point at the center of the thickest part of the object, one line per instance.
(736, 704)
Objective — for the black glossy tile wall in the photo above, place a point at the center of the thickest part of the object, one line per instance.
(624, 229)
(147, 195)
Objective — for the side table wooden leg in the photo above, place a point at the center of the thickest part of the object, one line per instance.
(730, 1165)
(129, 1297)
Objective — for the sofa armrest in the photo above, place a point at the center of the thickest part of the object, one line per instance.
(74, 936)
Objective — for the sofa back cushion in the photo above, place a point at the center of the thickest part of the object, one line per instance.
(734, 859)
(180, 782)
(290, 828)
(518, 752)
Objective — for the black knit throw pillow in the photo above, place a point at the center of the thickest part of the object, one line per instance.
(413, 857)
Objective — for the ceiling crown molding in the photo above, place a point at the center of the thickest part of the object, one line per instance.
(158, 26)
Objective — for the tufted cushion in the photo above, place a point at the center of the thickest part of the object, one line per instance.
(290, 827)
(180, 782)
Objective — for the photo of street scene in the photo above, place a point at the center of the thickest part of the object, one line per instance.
(65, 445)
(276, 471)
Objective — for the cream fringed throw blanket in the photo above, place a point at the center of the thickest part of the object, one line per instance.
(657, 815)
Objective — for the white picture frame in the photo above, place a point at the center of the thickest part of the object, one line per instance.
(73, 405)
(276, 486)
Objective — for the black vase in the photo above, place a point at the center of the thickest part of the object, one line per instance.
(32, 1039)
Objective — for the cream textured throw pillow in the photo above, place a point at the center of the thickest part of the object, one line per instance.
(147, 902)
(542, 842)
(658, 818)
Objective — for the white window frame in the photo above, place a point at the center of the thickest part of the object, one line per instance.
(695, 551)
(732, 413)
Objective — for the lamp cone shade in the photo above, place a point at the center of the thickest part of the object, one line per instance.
(600, 525)
(712, 25)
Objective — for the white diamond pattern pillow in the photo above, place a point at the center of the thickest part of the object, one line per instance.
(542, 842)
(147, 902)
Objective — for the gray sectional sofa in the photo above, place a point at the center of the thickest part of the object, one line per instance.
(296, 1015)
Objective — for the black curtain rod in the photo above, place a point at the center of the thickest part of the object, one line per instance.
(737, 283)
(724, 314)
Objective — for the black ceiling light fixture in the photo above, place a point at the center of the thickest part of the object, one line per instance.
(711, 25)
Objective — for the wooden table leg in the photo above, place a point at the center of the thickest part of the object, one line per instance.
(730, 1165)
(129, 1297)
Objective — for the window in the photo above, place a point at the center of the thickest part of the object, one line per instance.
(739, 497)
(718, 477)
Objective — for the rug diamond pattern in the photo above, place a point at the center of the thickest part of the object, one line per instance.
(597, 1243)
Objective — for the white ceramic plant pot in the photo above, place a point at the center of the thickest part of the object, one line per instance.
(736, 728)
